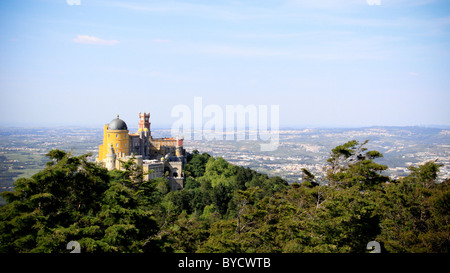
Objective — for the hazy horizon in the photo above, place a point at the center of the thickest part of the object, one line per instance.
(300, 127)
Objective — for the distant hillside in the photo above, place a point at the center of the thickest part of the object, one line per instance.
(23, 150)
(309, 148)
(228, 208)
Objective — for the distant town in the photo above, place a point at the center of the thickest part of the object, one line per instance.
(310, 149)
(22, 150)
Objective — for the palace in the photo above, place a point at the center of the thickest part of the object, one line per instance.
(165, 157)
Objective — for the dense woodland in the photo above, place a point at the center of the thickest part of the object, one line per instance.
(227, 208)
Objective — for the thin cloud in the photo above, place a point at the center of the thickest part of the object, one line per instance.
(161, 40)
(92, 40)
(238, 51)
(209, 9)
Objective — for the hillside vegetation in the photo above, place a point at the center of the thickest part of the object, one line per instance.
(227, 208)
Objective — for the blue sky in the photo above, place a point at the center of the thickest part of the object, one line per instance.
(325, 63)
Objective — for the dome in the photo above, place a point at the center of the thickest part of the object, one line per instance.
(117, 124)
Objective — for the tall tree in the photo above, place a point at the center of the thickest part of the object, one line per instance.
(416, 212)
(352, 164)
(68, 189)
(73, 199)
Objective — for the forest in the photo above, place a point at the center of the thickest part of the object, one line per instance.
(225, 208)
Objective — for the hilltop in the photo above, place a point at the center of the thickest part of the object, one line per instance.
(22, 150)
(227, 208)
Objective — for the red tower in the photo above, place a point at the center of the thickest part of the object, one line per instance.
(144, 121)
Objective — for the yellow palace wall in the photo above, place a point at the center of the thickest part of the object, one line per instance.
(118, 138)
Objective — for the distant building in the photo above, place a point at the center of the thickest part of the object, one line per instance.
(165, 156)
